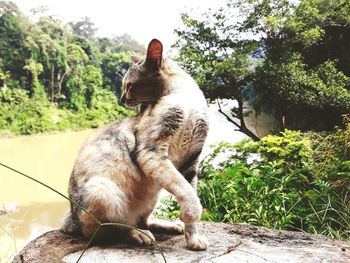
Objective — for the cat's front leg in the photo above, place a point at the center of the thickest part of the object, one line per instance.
(165, 173)
(194, 240)
(156, 165)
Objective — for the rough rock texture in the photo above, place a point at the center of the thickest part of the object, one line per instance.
(228, 243)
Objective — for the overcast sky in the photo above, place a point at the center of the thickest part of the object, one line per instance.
(142, 19)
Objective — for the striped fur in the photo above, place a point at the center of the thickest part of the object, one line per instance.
(122, 167)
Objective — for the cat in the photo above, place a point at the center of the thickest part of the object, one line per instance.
(121, 168)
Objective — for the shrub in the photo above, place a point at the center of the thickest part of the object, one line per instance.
(273, 183)
(168, 208)
(21, 115)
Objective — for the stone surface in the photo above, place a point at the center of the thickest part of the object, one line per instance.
(228, 243)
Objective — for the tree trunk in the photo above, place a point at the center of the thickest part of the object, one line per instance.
(61, 82)
(282, 120)
(53, 83)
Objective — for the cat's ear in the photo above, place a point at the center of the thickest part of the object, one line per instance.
(135, 59)
(154, 53)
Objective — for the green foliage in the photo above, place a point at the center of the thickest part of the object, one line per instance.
(331, 157)
(54, 78)
(20, 114)
(277, 183)
(168, 208)
(304, 77)
(84, 28)
(292, 57)
(209, 53)
(114, 66)
(76, 55)
(218, 57)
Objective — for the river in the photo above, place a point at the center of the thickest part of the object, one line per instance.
(31, 209)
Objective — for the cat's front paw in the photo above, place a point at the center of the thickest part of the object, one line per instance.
(191, 211)
(197, 242)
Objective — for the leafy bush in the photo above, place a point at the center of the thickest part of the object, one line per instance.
(273, 183)
(168, 208)
(21, 115)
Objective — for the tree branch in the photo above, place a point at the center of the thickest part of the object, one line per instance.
(227, 117)
(241, 128)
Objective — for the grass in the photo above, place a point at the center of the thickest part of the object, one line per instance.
(8, 252)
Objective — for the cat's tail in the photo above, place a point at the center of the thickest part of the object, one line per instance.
(69, 225)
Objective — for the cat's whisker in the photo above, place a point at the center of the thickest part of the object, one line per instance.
(146, 100)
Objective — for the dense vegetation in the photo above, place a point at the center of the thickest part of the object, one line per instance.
(290, 58)
(55, 76)
(290, 181)
(284, 182)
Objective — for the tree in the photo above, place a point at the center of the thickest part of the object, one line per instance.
(125, 43)
(75, 57)
(304, 77)
(293, 55)
(41, 58)
(213, 52)
(90, 48)
(35, 69)
(12, 36)
(84, 28)
(45, 42)
(114, 66)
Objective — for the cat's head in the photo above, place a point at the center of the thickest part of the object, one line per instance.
(144, 82)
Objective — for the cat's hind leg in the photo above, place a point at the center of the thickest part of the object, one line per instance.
(140, 237)
(102, 198)
(164, 226)
(109, 204)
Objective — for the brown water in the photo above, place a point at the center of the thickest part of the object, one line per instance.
(32, 209)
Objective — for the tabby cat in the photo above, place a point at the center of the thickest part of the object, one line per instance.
(122, 167)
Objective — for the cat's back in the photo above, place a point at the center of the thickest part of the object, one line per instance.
(108, 145)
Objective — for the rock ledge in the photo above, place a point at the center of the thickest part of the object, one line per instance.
(228, 243)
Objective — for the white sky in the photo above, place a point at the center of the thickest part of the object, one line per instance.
(142, 19)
